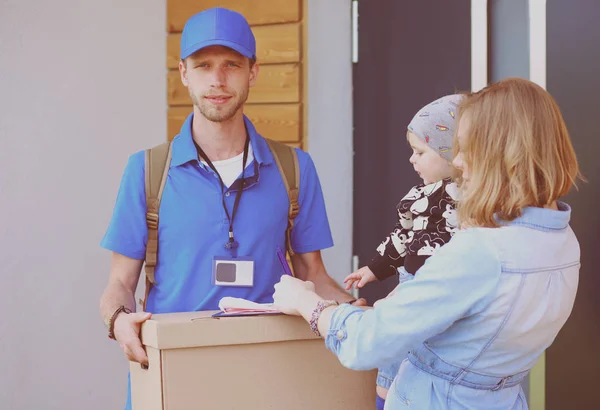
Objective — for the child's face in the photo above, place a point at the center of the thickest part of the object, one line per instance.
(430, 166)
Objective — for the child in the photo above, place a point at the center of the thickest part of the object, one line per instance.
(426, 215)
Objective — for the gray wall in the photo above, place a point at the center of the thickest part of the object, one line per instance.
(330, 121)
(82, 86)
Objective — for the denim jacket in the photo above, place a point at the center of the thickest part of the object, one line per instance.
(475, 319)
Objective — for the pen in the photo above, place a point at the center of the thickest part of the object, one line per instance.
(284, 263)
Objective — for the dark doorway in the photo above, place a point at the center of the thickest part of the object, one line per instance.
(409, 54)
(573, 64)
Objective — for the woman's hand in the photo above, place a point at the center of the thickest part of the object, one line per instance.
(291, 293)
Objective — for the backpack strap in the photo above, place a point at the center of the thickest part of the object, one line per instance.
(286, 159)
(156, 167)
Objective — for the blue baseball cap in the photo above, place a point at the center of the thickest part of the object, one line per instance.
(217, 27)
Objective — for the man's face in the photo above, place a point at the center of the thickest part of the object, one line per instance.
(218, 80)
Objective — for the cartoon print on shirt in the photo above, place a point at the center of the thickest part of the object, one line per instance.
(414, 193)
(428, 249)
(381, 247)
(426, 221)
(419, 206)
(453, 191)
(451, 219)
(420, 223)
(399, 240)
(431, 188)
(405, 219)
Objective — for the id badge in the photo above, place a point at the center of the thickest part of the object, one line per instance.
(229, 271)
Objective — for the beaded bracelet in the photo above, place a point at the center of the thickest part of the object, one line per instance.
(314, 318)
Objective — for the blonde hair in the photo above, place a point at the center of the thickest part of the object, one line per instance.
(518, 152)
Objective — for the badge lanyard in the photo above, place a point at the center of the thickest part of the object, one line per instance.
(231, 243)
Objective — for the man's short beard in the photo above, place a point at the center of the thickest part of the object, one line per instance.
(215, 114)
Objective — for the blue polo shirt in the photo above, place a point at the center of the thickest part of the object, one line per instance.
(194, 228)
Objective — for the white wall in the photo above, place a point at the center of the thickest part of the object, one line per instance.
(330, 123)
(82, 85)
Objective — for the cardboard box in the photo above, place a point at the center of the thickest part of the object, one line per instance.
(243, 363)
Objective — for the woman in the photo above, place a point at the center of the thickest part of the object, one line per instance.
(481, 311)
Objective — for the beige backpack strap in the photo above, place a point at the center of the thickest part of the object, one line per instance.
(286, 159)
(156, 167)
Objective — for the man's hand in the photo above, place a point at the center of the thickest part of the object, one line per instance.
(124, 276)
(127, 332)
(309, 267)
(360, 302)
